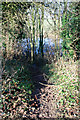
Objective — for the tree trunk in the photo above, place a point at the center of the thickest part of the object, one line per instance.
(59, 32)
(33, 22)
(40, 34)
(42, 31)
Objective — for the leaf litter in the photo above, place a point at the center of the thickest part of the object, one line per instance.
(57, 101)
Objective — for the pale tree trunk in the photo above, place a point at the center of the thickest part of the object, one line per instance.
(11, 41)
(55, 29)
(31, 48)
(42, 10)
(31, 32)
(39, 32)
(55, 34)
(31, 44)
(37, 23)
(59, 32)
(32, 39)
(33, 20)
(7, 45)
(7, 39)
(29, 36)
(65, 14)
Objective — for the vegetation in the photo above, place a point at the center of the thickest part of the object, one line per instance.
(70, 29)
(37, 75)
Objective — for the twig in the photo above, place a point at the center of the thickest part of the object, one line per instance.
(47, 84)
(55, 85)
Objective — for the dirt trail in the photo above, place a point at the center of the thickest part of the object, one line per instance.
(43, 103)
(46, 97)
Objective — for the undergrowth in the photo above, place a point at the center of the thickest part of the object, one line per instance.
(64, 75)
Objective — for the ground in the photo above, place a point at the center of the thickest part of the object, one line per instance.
(55, 94)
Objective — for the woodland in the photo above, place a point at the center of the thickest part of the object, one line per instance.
(40, 50)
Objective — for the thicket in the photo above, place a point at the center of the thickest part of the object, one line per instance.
(70, 29)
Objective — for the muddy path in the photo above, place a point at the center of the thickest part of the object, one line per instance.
(45, 96)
